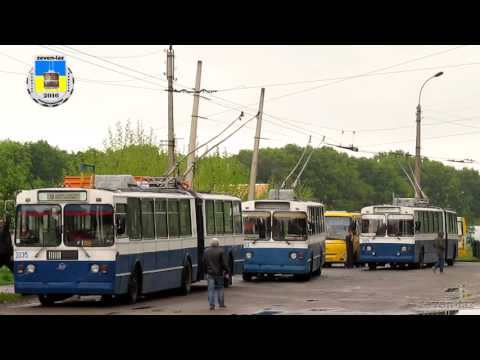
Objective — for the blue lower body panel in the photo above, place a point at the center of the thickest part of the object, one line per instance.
(276, 261)
(387, 253)
(65, 277)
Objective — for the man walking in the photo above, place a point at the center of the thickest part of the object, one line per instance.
(349, 248)
(216, 268)
(439, 244)
(6, 247)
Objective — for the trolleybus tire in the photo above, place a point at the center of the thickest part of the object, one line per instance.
(49, 300)
(186, 287)
(451, 262)
(327, 265)
(247, 276)
(107, 299)
(372, 266)
(133, 288)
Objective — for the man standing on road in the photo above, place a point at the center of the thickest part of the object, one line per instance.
(349, 246)
(6, 247)
(216, 268)
(439, 244)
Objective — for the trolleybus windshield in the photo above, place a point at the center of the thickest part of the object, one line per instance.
(88, 225)
(337, 226)
(257, 225)
(38, 225)
(374, 224)
(400, 225)
(289, 226)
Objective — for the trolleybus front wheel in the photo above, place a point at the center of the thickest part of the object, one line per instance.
(372, 266)
(49, 300)
(134, 288)
(247, 277)
(186, 280)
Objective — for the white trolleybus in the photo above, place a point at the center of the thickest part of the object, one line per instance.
(404, 233)
(119, 239)
(283, 237)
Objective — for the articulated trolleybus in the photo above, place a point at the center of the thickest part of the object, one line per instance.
(119, 239)
(283, 237)
(404, 233)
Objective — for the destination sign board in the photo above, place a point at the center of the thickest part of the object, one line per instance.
(62, 196)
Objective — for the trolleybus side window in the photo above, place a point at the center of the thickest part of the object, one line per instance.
(219, 222)
(134, 221)
(38, 225)
(161, 218)
(228, 216)
(148, 227)
(237, 217)
(185, 221)
(121, 220)
(173, 218)
(210, 219)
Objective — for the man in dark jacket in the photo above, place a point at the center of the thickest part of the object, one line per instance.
(439, 244)
(6, 247)
(349, 248)
(216, 268)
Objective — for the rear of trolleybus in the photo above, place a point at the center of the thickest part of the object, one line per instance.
(222, 219)
(387, 237)
(278, 242)
(64, 243)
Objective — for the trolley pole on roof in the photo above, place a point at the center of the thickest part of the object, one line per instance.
(253, 169)
(193, 129)
(171, 132)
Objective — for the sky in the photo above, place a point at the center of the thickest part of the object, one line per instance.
(360, 95)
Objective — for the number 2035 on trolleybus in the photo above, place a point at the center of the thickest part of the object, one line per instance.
(119, 240)
(283, 237)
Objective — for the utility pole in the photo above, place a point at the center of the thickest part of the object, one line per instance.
(193, 128)
(417, 155)
(171, 132)
(253, 169)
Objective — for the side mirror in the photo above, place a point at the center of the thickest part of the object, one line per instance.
(417, 226)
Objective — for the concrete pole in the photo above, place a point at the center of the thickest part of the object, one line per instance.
(171, 132)
(253, 169)
(417, 155)
(193, 128)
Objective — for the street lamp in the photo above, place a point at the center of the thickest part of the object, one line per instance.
(417, 148)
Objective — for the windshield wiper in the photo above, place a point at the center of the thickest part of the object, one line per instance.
(84, 251)
(43, 247)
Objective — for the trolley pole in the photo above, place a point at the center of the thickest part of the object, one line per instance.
(193, 129)
(253, 169)
(171, 132)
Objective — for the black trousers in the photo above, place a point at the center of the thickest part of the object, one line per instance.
(349, 262)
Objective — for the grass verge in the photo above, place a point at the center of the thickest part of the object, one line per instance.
(6, 277)
(8, 298)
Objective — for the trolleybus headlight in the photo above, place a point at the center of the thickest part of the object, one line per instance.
(293, 256)
(20, 268)
(403, 249)
(369, 248)
(30, 268)
(94, 268)
(248, 255)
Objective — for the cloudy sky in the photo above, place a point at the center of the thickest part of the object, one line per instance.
(365, 95)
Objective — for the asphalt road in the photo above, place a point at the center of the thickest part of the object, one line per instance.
(336, 291)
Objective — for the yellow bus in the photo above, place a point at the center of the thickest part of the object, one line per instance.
(462, 236)
(337, 227)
